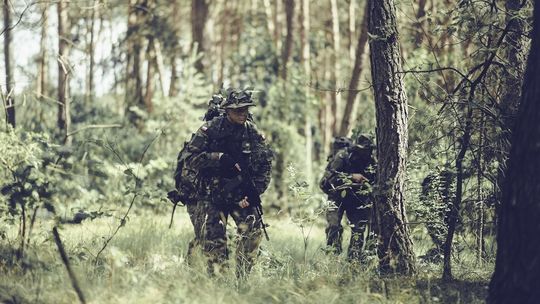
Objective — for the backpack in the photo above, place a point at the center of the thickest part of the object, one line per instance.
(185, 180)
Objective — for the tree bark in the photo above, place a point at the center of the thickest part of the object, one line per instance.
(357, 71)
(225, 17)
(420, 22)
(304, 24)
(336, 43)
(134, 82)
(199, 16)
(150, 59)
(10, 100)
(515, 55)
(287, 47)
(395, 247)
(517, 268)
(91, 54)
(173, 89)
(64, 70)
(43, 78)
(270, 22)
(352, 28)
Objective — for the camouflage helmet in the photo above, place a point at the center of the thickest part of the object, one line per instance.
(237, 99)
(340, 142)
(363, 141)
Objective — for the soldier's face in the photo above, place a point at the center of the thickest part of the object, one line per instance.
(238, 116)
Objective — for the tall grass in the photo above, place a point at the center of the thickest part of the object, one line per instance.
(146, 263)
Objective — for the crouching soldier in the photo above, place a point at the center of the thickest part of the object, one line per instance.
(234, 164)
(348, 180)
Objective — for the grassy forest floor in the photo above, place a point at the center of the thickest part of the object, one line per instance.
(145, 263)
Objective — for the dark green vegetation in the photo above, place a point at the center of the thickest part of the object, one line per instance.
(106, 92)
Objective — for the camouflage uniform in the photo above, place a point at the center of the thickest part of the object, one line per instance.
(349, 198)
(246, 143)
(190, 193)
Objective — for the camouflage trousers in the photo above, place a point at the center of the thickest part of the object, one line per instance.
(248, 238)
(197, 216)
(358, 216)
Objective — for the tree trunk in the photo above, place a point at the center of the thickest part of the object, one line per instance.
(91, 54)
(336, 42)
(357, 71)
(517, 268)
(134, 87)
(160, 68)
(173, 89)
(225, 17)
(10, 100)
(199, 15)
(270, 22)
(287, 47)
(352, 28)
(304, 24)
(420, 18)
(456, 205)
(395, 247)
(42, 82)
(64, 70)
(150, 59)
(515, 55)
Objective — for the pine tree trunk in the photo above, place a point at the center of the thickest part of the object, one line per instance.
(225, 17)
(134, 83)
(357, 71)
(287, 47)
(515, 55)
(352, 29)
(150, 59)
(395, 247)
(173, 89)
(91, 54)
(10, 100)
(336, 42)
(270, 22)
(517, 268)
(304, 25)
(420, 17)
(199, 15)
(64, 119)
(43, 75)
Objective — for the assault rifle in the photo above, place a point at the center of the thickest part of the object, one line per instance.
(244, 180)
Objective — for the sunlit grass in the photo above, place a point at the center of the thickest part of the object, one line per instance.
(146, 263)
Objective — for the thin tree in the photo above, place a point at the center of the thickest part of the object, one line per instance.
(91, 53)
(287, 46)
(336, 57)
(395, 246)
(173, 89)
(304, 26)
(357, 71)
(64, 70)
(42, 82)
(515, 52)
(517, 268)
(199, 15)
(10, 100)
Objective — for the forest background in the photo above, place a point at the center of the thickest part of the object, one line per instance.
(99, 97)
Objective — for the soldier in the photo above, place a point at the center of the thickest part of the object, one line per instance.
(188, 187)
(348, 179)
(231, 155)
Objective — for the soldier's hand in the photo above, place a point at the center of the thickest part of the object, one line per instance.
(358, 178)
(244, 202)
(227, 162)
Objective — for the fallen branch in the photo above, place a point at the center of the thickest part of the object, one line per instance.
(65, 260)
